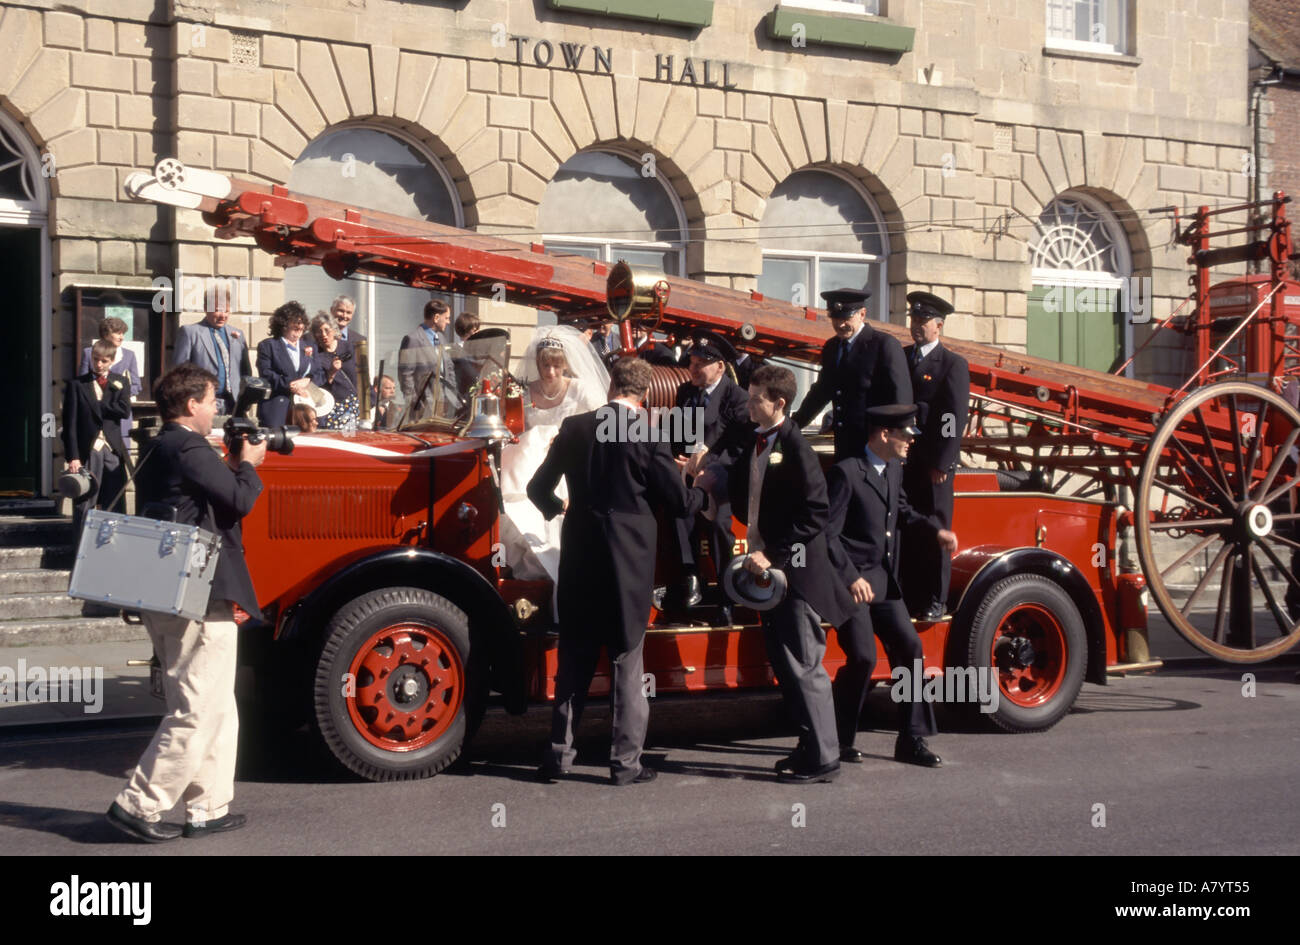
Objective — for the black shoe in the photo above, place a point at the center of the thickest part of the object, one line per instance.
(550, 774)
(220, 825)
(852, 755)
(788, 763)
(803, 775)
(690, 591)
(722, 618)
(148, 831)
(933, 614)
(914, 751)
(644, 776)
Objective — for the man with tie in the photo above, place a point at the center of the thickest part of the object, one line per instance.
(218, 348)
(720, 415)
(868, 510)
(941, 383)
(285, 362)
(357, 368)
(860, 368)
(607, 553)
(94, 403)
(426, 351)
(779, 485)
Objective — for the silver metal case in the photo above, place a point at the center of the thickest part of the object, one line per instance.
(144, 564)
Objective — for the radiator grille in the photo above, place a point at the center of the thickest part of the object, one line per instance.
(307, 512)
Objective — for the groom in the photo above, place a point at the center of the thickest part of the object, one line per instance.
(607, 547)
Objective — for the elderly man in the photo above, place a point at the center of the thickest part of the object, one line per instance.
(357, 368)
(218, 348)
(860, 368)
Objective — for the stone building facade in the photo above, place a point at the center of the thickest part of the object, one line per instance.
(988, 151)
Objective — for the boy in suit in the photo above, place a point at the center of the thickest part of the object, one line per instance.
(869, 511)
(778, 486)
(94, 404)
(616, 480)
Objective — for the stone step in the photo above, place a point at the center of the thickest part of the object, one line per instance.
(58, 557)
(72, 631)
(28, 531)
(33, 581)
(42, 606)
(29, 506)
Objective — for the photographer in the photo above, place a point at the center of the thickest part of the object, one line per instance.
(192, 755)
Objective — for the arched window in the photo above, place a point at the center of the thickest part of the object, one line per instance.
(22, 198)
(819, 232)
(601, 204)
(378, 170)
(1077, 309)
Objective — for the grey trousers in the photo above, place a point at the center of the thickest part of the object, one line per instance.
(796, 643)
(631, 708)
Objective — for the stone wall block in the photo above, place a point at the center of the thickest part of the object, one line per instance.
(102, 71)
(857, 127)
(231, 154)
(1072, 155)
(248, 119)
(598, 90)
(448, 89)
(76, 255)
(78, 147)
(711, 102)
(758, 108)
(812, 118)
(625, 96)
(466, 122)
(524, 183)
(1049, 154)
(1181, 179)
(232, 260)
(483, 149)
(137, 112)
(785, 124)
(268, 163)
(353, 63)
(384, 63)
(61, 29)
(49, 73)
(483, 76)
(280, 133)
(252, 85)
(197, 76)
(881, 138)
(536, 83)
(279, 52)
(534, 156)
(747, 203)
(100, 35)
(195, 149)
(697, 143)
(508, 112)
(651, 101)
(571, 105)
(414, 74)
(295, 102)
(316, 67)
(755, 176)
(63, 113)
(549, 130)
(732, 135)
(115, 147)
(679, 115)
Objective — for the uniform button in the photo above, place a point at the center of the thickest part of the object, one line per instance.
(888, 534)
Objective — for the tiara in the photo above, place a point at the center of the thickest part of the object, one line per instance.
(550, 343)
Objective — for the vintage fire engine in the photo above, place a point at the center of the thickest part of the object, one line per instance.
(388, 621)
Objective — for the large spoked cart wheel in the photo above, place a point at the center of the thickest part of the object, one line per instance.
(1219, 480)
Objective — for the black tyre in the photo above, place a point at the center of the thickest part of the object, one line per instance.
(1028, 632)
(390, 684)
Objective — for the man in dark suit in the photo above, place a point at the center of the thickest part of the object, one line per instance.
(745, 364)
(94, 404)
(425, 351)
(941, 383)
(192, 755)
(216, 347)
(617, 474)
(357, 368)
(719, 413)
(860, 368)
(648, 349)
(779, 488)
(869, 510)
(286, 362)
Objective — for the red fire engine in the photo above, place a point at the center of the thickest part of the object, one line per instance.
(389, 620)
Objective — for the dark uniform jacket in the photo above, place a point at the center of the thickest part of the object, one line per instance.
(872, 511)
(609, 534)
(84, 415)
(727, 428)
(794, 509)
(180, 469)
(275, 366)
(941, 386)
(872, 372)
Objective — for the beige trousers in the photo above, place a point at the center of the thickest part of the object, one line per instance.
(192, 755)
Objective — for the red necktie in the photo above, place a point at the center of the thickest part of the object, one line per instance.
(760, 441)
(101, 381)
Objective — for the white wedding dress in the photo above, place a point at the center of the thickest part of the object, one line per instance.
(532, 544)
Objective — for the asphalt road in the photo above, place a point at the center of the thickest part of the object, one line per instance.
(1181, 763)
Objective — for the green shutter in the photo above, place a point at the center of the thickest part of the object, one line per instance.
(860, 32)
(1086, 330)
(694, 13)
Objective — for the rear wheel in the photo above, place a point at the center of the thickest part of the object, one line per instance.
(1028, 633)
(390, 684)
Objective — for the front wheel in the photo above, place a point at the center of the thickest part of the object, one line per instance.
(1028, 633)
(390, 684)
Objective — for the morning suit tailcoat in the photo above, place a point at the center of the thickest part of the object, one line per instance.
(126, 366)
(794, 509)
(870, 373)
(417, 358)
(275, 366)
(728, 433)
(194, 344)
(607, 542)
(867, 513)
(181, 469)
(85, 415)
(941, 385)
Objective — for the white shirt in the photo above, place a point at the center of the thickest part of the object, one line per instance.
(293, 354)
(758, 462)
(925, 351)
(876, 463)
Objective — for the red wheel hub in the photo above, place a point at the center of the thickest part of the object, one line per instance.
(407, 684)
(1030, 654)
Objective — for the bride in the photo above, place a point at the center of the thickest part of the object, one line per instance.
(563, 377)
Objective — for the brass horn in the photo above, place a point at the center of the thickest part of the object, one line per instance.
(631, 291)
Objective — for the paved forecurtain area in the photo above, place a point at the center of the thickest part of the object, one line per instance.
(1183, 762)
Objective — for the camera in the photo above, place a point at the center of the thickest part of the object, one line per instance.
(239, 430)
